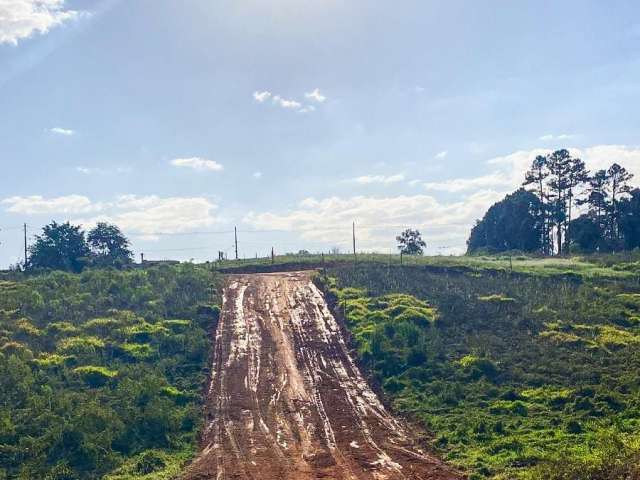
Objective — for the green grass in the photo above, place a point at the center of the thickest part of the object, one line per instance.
(614, 267)
(101, 373)
(515, 373)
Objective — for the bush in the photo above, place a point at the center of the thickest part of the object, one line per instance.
(95, 376)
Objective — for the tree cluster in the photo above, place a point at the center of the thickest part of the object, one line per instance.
(63, 246)
(563, 207)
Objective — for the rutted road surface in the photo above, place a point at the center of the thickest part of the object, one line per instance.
(286, 401)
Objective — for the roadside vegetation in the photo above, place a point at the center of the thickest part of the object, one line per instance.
(101, 372)
(516, 375)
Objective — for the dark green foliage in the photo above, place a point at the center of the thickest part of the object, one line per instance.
(518, 374)
(149, 462)
(109, 246)
(61, 246)
(587, 235)
(510, 224)
(102, 369)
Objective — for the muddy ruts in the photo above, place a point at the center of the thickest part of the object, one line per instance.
(287, 402)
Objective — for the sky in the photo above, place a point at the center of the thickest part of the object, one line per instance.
(291, 119)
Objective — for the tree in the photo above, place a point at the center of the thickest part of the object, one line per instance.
(619, 185)
(536, 176)
(559, 165)
(629, 220)
(410, 242)
(587, 234)
(510, 224)
(577, 176)
(61, 246)
(597, 197)
(109, 245)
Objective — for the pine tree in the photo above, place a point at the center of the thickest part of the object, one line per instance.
(536, 176)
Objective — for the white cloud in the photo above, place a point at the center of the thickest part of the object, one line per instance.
(146, 216)
(257, 175)
(261, 97)
(286, 103)
(492, 180)
(602, 156)
(38, 205)
(289, 103)
(384, 179)
(562, 136)
(67, 132)
(197, 163)
(102, 171)
(316, 96)
(441, 155)
(20, 19)
(151, 215)
(378, 220)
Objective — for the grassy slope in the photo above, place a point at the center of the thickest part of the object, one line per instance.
(102, 371)
(518, 368)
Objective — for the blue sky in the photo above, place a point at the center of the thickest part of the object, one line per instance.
(292, 118)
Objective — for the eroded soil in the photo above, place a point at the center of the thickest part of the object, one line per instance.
(286, 401)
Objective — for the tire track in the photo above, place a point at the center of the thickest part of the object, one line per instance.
(286, 401)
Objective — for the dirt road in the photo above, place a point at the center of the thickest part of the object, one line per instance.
(287, 402)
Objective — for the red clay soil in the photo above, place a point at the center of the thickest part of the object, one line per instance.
(287, 402)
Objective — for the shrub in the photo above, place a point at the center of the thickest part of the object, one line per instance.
(81, 345)
(149, 462)
(496, 298)
(95, 376)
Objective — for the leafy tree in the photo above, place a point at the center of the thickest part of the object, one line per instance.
(109, 245)
(630, 220)
(410, 242)
(61, 246)
(510, 224)
(587, 234)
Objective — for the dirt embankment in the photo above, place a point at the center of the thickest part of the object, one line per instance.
(287, 402)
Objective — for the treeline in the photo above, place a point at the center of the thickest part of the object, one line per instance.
(562, 207)
(63, 246)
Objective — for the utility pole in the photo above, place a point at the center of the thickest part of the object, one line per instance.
(355, 258)
(26, 259)
(235, 234)
(273, 256)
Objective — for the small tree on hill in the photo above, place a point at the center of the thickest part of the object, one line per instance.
(410, 242)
